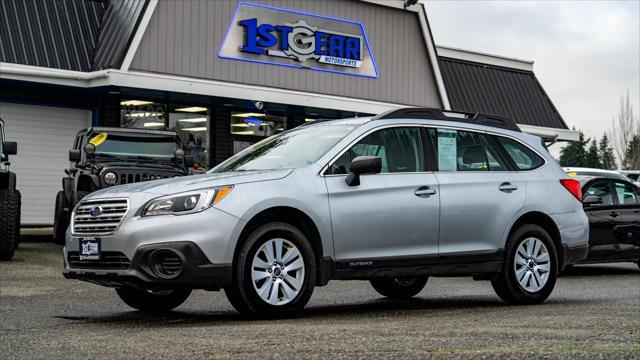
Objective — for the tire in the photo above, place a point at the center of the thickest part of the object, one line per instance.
(399, 288)
(60, 218)
(9, 223)
(284, 292)
(538, 277)
(76, 197)
(153, 301)
(18, 218)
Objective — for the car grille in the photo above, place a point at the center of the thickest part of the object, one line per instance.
(111, 260)
(129, 178)
(113, 211)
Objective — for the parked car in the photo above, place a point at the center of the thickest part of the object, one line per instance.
(591, 172)
(9, 200)
(633, 175)
(392, 199)
(613, 209)
(105, 157)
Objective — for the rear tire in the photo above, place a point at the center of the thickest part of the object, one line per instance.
(60, 218)
(9, 223)
(528, 276)
(153, 301)
(399, 288)
(274, 274)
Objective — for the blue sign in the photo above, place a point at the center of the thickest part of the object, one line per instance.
(265, 34)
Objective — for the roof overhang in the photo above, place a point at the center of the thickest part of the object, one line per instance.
(484, 58)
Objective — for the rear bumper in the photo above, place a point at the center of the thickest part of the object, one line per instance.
(574, 254)
(196, 271)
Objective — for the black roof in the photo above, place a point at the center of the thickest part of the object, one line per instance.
(81, 35)
(513, 93)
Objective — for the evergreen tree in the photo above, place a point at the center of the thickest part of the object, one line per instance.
(592, 158)
(574, 154)
(632, 155)
(607, 157)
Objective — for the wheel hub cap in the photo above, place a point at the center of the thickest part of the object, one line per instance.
(277, 271)
(532, 264)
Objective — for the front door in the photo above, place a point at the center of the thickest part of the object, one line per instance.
(604, 219)
(628, 230)
(391, 214)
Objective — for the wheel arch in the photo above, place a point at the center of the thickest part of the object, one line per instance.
(292, 216)
(546, 222)
(86, 183)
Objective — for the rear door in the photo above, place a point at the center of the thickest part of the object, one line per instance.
(628, 228)
(478, 193)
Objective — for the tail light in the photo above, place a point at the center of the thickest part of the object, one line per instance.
(573, 186)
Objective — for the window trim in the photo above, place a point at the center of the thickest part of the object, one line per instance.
(431, 170)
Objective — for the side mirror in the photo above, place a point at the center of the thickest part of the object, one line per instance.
(10, 148)
(363, 165)
(75, 156)
(592, 200)
(188, 161)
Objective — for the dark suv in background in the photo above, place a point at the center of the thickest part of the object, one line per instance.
(105, 157)
(9, 200)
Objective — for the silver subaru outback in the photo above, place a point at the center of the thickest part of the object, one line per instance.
(391, 199)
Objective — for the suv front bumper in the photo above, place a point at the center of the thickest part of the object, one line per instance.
(195, 270)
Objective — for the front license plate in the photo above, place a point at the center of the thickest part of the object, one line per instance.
(90, 249)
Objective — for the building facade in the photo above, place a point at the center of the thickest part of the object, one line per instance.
(226, 74)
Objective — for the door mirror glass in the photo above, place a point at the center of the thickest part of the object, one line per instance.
(363, 165)
(592, 200)
(74, 156)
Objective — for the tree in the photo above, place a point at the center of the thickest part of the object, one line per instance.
(592, 157)
(607, 157)
(625, 127)
(575, 153)
(632, 155)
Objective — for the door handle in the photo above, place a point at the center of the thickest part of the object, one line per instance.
(507, 187)
(614, 214)
(425, 191)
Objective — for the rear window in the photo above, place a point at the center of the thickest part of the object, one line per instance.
(523, 157)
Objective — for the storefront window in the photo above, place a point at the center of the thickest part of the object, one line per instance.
(257, 124)
(192, 125)
(142, 114)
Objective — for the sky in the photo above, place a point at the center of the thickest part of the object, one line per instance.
(586, 53)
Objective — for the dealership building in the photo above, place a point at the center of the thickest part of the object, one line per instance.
(226, 74)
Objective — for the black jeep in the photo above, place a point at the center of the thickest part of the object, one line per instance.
(104, 157)
(9, 200)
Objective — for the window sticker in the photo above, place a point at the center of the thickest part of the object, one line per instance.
(98, 139)
(447, 150)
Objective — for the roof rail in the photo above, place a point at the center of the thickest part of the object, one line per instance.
(446, 115)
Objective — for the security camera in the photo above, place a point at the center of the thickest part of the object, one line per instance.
(258, 104)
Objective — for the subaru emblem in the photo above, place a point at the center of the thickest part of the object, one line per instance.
(96, 211)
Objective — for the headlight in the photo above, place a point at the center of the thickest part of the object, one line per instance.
(186, 203)
(110, 178)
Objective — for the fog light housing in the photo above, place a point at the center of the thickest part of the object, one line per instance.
(166, 263)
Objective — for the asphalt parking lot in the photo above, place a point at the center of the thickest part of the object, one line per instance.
(594, 312)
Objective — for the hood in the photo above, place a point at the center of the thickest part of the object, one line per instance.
(187, 183)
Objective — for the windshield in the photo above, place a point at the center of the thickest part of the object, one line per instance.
(147, 146)
(289, 150)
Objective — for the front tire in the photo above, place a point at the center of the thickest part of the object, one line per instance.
(153, 301)
(274, 274)
(9, 223)
(399, 288)
(530, 269)
(60, 218)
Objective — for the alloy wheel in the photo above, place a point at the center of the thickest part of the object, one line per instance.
(532, 264)
(277, 271)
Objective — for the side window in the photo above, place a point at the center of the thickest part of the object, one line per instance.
(626, 194)
(400, 149)
(601, 189)
(523, 157)
(465, 151)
